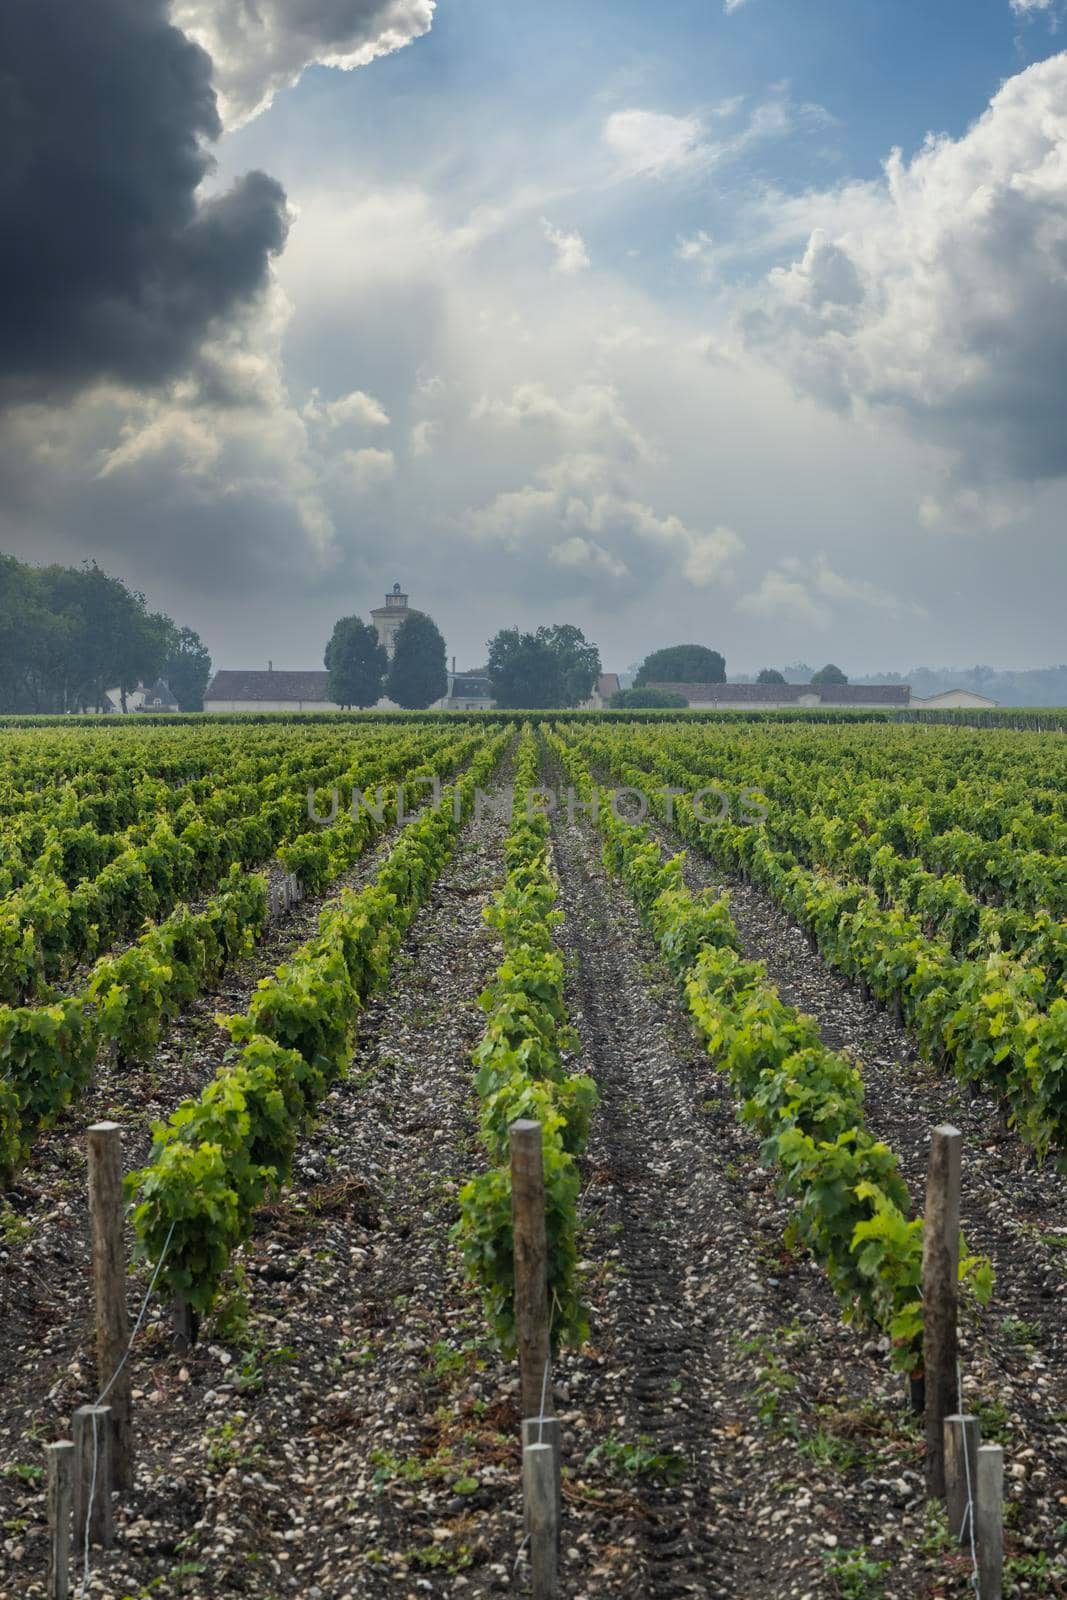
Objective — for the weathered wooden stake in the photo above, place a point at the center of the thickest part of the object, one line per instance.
(92, 1492)
(539, 1491)
(545, 1430)
(60, 1461)
(531, 1266)
(109, 1279)
(962, 1438)
(990, 1522)
(941, 1256)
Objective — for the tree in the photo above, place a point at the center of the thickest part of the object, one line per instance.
(682, 663)
(647, 700)
(579, 661)
(357, 663)
(554, 667)
(187, 668)
(142, 647)
(69, 634)
(828, 674)
(771, 675)
(524, 672)
(418, 675)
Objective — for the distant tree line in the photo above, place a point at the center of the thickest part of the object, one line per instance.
(68, 635)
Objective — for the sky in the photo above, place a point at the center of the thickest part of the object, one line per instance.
(738, 323)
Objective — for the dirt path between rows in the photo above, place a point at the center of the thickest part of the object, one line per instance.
(797, 1462)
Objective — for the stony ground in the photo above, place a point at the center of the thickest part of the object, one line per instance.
(344, 1429)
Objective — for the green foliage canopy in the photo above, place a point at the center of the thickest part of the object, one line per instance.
(647, 700)
(553, 668)
(418, 674)
(357, 663)
(69, 634)
(682, 663)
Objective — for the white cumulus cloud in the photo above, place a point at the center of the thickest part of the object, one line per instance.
(652, 144)
(369, 468)
(571, 254)
(941, 291)
(355, 409)
(261, 48)
(813, 594)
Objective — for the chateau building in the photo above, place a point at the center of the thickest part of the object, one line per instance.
(310, 691)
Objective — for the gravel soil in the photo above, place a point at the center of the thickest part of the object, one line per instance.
(1014, 1355)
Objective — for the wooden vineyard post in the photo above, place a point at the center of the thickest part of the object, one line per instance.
(941, 1256)
(539, 1494)
(989, 1519)
(545, 1430)
(531, 1266)
(962, 1437)
(93, 1431)
(60, 1460)
(109, 1280)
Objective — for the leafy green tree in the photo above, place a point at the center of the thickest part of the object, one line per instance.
(69, 634)
(771, 675)
(554, 667)
(357, 663)
(187, 668)
(579, 661)
(682, 663)
(418, 674)
(142, 646)
(647, 700)
(524, 672)
(828, 674)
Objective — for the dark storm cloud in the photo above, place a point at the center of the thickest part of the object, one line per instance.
(110, 267)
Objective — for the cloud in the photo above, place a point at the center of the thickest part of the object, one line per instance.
(652, 144)
(370, 468)
(223, 496)
(697, 251)
(730, 6)
(577, 517)
(260, 48)
(423, 435)
(941, 292)
(782, 596)
(571, 254)
(658, 144)
(357, 409)
(812, 593)
(579, 554)
(1024, 7)
(591, 417)
(112, 267)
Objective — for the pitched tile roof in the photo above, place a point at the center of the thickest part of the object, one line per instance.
(755, 694)
(471, 686)
(294, 686)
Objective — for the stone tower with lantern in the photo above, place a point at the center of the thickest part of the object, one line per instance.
(389, 618)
